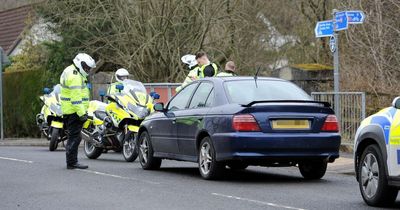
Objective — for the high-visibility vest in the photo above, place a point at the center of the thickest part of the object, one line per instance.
(225, 74)
(215, 67)
(192, 76)
(74, 92)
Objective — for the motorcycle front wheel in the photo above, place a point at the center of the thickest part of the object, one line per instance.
(129, 149)
(55, 135)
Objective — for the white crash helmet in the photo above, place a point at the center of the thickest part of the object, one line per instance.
(189, 59)
(121, 74)
(85, 59)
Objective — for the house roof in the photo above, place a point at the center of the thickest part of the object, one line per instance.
(12, 24)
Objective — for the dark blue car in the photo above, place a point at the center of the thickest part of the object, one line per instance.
(241, 121)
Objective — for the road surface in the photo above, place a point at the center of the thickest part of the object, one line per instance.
(34, 178)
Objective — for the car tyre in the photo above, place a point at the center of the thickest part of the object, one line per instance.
(146, 153)
(313, 170)
(373, 181)
(55, 135)
(209, 167)
(91, 151)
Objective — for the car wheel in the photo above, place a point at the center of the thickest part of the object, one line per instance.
(373, 178)
(208, 166)
(91, 151)
(146, 153)
(55, 135)
(129, 149)
(313, 169)
(237, 165)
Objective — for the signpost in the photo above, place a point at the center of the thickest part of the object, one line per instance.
(340, 21)
(331, 28)
(324, 29)
(3, 61)
(355, 17)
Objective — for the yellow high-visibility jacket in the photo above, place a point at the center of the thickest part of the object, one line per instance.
(192, 76)
(213, 65)
(74, 92)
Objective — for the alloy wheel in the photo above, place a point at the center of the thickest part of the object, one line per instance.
(128, 147)
(370, 175)
(144, 150)
(205, 158)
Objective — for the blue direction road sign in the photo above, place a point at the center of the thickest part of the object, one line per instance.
(355, 17)
(324, 28)
(341, 22)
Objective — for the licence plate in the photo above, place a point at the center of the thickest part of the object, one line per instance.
(291, 124)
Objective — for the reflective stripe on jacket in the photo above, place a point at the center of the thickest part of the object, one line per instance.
(74, 92)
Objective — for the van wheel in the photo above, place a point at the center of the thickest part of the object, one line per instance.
(373, 181)
(208, 166)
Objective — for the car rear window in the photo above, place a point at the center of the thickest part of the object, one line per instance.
(246, 91)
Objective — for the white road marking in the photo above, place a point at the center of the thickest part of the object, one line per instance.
(256, 201)
(117, 176)
(14, 159)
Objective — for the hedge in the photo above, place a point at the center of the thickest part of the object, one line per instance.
(21, 91)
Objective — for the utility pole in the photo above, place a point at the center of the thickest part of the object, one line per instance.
(336, 75)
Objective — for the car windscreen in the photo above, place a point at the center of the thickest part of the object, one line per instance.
(246, 91)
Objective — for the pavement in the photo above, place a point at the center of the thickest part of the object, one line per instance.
(34, 178)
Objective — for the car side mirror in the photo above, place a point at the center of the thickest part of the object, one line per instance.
(159, 107)
(119, 87)
(46, 90)
(396, 103)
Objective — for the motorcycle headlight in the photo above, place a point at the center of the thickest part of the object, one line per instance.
(140, 111)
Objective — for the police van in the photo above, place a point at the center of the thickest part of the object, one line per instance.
(377, 156)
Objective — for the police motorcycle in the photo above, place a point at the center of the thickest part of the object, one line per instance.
(49, 120)
(114, 126)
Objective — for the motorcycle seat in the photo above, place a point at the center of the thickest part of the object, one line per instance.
(101, 115)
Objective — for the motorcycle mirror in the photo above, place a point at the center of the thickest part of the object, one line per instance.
(102, 93)
(119, 87)
(46, 90)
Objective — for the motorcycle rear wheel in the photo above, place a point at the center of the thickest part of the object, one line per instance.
(91, 151)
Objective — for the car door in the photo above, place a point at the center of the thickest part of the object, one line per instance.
(189, 121)
(164, 129)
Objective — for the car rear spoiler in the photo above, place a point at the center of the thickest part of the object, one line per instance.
(326, 104)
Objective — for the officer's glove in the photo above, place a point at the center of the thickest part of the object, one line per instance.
(83, 118)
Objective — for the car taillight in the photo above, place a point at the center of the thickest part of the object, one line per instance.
(331, 124)
(245, 122)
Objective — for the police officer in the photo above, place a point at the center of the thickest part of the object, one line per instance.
(207, 69)
(230, 70)
(190, 61)
(120, 76)
(74, 103)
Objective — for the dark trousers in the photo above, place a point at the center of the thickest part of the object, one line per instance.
(74, 128)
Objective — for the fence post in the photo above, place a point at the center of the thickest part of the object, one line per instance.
(363, 102)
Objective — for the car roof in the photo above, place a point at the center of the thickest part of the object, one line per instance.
(238, 78)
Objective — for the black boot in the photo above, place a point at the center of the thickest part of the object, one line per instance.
(78, 166)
